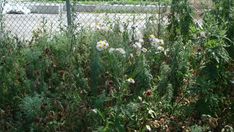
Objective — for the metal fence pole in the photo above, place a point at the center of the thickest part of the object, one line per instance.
(70, 24)
(69, 14)
(1, 17)
(159, 17)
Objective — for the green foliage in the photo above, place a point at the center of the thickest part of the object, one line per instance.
(196, 128)
(224, 12)
(12, 75)
(213, 74)
(180, 20)
(31, 106)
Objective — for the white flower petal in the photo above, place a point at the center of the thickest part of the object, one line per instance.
(148, 127)
(111, 50)
(137, 45)
(121, 50)
(144, 50)
(131, 80)
(160, 48)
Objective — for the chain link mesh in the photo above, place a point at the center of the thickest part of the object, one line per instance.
(21, 18)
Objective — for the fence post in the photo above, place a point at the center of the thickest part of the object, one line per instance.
(70, 25)
(69, 14)
(159, 18)
(1, 17)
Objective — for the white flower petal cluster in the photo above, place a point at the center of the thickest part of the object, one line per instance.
(141, 41)
(102, 45)
(137, 45)
(156, 43)
(118, 50)
(139, 48)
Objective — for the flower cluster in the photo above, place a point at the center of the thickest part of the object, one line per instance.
(118, 50)
(157, 43)
(138, 46)
(102, 45)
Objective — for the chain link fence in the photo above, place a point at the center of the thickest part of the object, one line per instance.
(21, 18)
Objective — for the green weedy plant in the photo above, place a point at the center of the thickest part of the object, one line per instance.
(12, 80)
(142, 74)
(95, 70)
(180, 33)
(223, 10)
(212, 80)
(180, 66)
(31, 106)
(164, 80)
(180, 20)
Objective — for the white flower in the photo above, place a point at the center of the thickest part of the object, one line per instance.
(138, 34)
(120, 50)
(152, 38)
(140, 98)
(102, 45)
(94, 110)
(111, 50)
(203, 34)
(148, 127)
(131, 80)
(141, 40)
(161, 42)
(144, 50)
(227, 128)
(160, 48)
(99, 47)
(137, 45)
(155, 42)
(166, 51)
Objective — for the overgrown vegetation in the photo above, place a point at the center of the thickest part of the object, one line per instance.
(118, 79)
